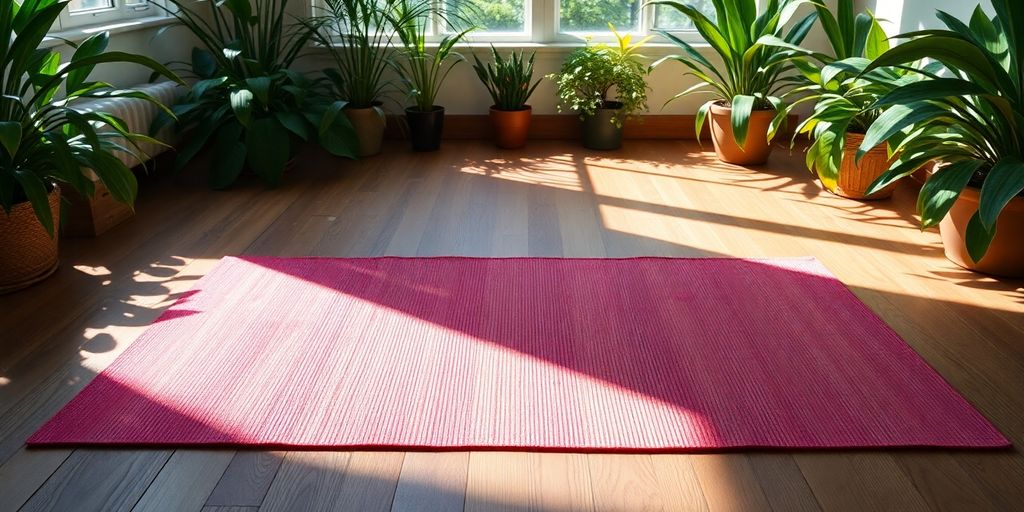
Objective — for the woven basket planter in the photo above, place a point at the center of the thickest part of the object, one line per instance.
(855, 178)
(29, 253)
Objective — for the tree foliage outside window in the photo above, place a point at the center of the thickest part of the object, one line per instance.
(668, 18)
(575, 15)
(490, 15)
(595, 15)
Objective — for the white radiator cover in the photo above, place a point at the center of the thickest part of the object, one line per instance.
(138, 115)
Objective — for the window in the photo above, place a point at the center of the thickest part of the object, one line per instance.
(667, 18)
(588, 16)
(492, 16)
(548, 21)
(91, 12)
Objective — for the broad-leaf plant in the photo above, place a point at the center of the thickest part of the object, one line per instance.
(971, 118)
(248, 102)
(44, 141)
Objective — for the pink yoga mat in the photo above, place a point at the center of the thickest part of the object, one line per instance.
(619, 355)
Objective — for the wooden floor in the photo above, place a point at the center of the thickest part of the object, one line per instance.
(651, 198)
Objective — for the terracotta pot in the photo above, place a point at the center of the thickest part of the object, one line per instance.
(511, 127)
(921, 175)
(855, 178)
(425, 128)
(757, 147)
(29, 253)
(1005, 257)
(599, 132)
(369, 124)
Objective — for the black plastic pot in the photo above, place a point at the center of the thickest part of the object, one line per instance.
(425, 128)
(598, 130)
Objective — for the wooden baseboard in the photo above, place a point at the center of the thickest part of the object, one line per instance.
(567, 127)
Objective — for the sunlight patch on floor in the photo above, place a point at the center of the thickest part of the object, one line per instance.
(556, 172)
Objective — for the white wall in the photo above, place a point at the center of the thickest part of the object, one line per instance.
(171, 45)
(902, 16)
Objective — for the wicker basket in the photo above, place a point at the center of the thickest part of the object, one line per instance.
(855, 178)
(29, 253)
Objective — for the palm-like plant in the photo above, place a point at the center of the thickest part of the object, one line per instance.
(423, 72)
(358, 36)
(749, 77)
(43, 140)
(973, 120)
(247, 100)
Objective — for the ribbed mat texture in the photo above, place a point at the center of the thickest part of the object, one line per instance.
(619, 355)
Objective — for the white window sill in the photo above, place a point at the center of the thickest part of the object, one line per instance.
(117, 27)
(653, 49)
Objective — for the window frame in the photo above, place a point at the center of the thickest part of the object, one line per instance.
(123, 11)
(542, 20)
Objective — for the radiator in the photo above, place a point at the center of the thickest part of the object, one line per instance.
(138, 116)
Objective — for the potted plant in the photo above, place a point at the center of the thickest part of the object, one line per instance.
(247, 101)
(358, 37)
(45, 144)
(508, 82)
(586, 80)
(970, 121)
(844, 101)
(745, 87)
(423, 72)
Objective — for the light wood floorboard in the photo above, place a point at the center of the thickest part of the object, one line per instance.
(554, 199)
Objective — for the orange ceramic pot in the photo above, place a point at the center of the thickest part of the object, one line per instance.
(1005, 257)
(757, 148)
(511, 127)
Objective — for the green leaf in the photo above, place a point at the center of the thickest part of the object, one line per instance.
(929, 90)
(204, 65)
(338, 136)
(295, 123)
(978, 238)
(877, 42)
(35, 191)
(702, 114)
(268, 149)
(115, 175)
(228, 160)
(91, 47)
(10, 136)
(942, 190)
(260, 87)
(895, 119)
(742, 107)
(1002, 183)
(953, 51)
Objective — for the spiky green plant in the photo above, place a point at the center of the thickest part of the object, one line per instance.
(507, 79)
(358, 37)
(423, 71)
